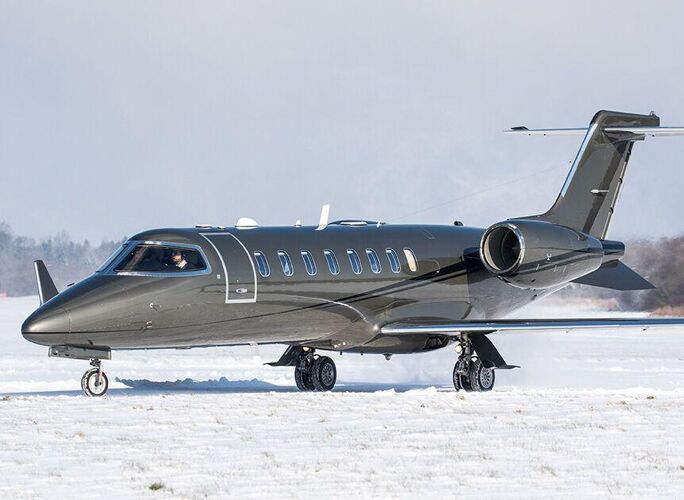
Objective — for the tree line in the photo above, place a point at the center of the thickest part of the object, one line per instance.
(68, 261)
(660, 261)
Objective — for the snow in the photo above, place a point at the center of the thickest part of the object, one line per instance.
(588, 415)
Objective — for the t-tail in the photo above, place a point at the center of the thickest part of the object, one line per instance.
(585, 205)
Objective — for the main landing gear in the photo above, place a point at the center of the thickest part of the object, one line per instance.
(469, 372)
(94, 382)
(314, 372)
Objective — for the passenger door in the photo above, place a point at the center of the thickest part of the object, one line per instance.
(238, 267)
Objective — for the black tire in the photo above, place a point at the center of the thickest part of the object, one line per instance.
(92, 385)
(481, 378)
(323, 374)
(303, 380)
(461, 382)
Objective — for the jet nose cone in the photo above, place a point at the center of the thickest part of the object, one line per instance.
(46, 325)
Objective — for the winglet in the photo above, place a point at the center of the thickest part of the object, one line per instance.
(46, 287)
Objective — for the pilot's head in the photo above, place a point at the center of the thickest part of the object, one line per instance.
(177, 257)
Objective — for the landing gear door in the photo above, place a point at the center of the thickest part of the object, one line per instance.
(238, 267)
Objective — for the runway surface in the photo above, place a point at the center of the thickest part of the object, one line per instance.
(588, 415)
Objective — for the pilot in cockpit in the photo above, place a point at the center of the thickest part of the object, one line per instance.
(178, 260)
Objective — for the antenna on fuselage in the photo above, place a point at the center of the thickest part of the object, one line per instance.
(325, 216)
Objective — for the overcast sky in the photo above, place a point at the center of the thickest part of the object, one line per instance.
(121, 116)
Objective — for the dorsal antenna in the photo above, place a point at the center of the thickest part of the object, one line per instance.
(325, 216)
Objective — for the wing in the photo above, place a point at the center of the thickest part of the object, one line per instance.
(529, 325)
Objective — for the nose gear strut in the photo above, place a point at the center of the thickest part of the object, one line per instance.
(94, 382)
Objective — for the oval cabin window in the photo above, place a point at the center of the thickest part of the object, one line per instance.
(411, 260)
(393, 259)
(373, 260)
(333, 265)
(309, 263)
(262, 264)
(354, 261)
(285, 263)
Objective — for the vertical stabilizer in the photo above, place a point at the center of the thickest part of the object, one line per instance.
(588, 197)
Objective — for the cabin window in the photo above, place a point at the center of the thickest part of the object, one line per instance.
(309, 263)
(286, 263)
(354, 261)
(262, 264)
(411, 259)
(157, 258)
(373, 260)
(393, 259)
(333, 265)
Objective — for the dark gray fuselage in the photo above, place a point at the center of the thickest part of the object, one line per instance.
(233, 304)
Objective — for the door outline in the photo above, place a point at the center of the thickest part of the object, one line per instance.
(225, 269)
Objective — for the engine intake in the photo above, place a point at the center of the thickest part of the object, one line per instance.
(502, 249)
(538, 254)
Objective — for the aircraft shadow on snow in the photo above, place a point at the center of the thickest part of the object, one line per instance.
(223, 385)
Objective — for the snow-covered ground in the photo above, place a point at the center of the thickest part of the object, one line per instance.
(588, 415)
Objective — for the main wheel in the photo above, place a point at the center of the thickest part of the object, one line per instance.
(481, 377)
(303, 380)
(323, 374)
(94, 383)
(461, 382)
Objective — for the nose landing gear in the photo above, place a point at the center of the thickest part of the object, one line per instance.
(94, 382)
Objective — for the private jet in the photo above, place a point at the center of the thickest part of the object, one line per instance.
(356, 286)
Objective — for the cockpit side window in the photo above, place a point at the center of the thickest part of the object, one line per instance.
(159, 258)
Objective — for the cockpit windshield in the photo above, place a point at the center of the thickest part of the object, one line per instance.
(159, 258)
(112, 258)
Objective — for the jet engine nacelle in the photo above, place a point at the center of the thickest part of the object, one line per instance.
(538, 254)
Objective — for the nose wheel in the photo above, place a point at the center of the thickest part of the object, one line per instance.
(94, 382)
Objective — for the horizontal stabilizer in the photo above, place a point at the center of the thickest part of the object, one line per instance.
(646, 131)
(588, 197)
(615, 277)
(46, 287)
(530, 325)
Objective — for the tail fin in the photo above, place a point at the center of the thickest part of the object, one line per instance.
(588, 197)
